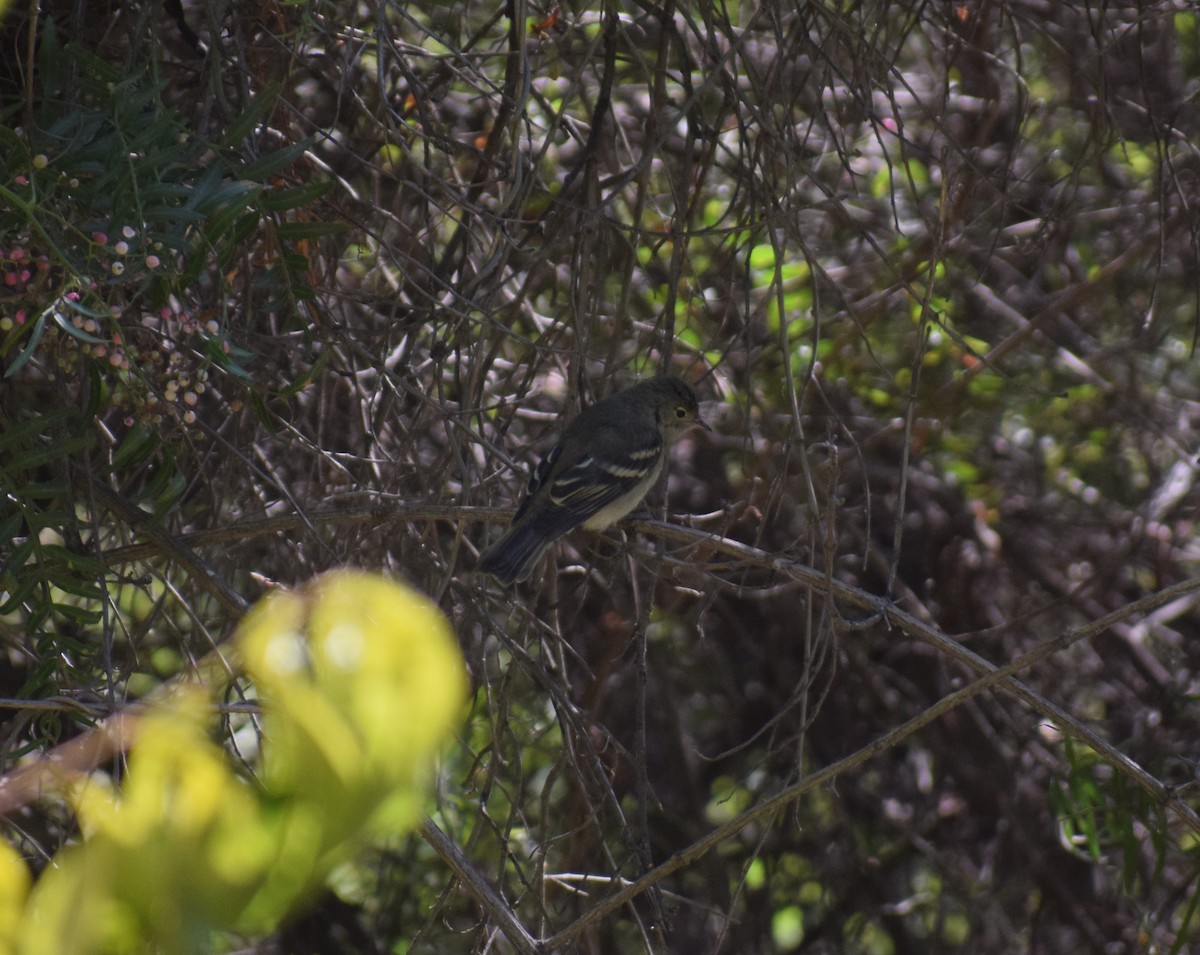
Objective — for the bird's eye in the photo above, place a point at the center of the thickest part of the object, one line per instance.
(680, 411)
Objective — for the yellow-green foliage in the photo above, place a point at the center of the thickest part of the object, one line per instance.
(360, 682)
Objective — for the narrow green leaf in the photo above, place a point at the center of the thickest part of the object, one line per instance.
(174, 215)
(255, 111)
(18, 595)
(82, 309)
(52, 452)
(293, 231)
(264, 413)
(221, 222)
(170, 496)
(92, 65)
(163, 192)
(65, 324)
(78, 614)
(81, 563)
(274, 162)
(280, 200)
(51, 63)
(19, 434)
(20, 554)
(224, 192)
(11, 145)
(137, 446)
(35, 338)
(9, 526)
(95, 392)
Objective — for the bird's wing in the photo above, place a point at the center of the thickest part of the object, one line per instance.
(613, 466)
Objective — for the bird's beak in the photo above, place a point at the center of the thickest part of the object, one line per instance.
(702, 425)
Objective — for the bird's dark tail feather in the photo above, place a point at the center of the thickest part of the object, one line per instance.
(514, 556)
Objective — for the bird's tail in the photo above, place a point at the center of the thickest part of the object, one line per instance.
(514, 556)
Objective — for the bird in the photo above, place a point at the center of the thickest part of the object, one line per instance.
(599, 470)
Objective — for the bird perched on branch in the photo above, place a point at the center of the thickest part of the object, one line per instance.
(599, 471)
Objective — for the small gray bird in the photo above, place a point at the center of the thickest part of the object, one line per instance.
(599, 471)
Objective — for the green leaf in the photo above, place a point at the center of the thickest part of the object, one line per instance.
(280, 200)
(9, 526)
(78, 333)
(57, 449)
(257, 110)
(78, 306)
(51, 62)
(214, 350)
(159, 484)
(25, 584)
(15, 435)
(294, 231)
(19, 555)
(95, 392)
(12, 145)
(274, 162)
(264, 413)
(83, 563)
(79, 615)
(170, 495)
(221, 222)
(173, 215)
(137, 446)
(92, 65)
(156, 193)
(35, 338)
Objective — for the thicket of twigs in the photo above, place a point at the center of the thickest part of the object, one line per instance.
(306, 285)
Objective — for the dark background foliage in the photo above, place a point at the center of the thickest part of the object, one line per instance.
(290, 286)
